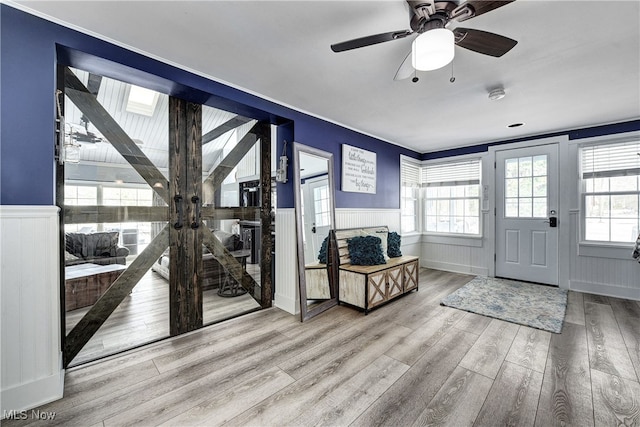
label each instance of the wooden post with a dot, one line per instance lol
(185, 165)
(264, 134)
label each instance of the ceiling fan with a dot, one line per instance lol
(429, 19)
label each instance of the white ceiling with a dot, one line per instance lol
(577, 63)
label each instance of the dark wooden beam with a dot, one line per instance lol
(227, 164)
(264, 134)
(111, 299)
(111, 130)
(224, 128)
(241, 213)
(107, 214)
(93, 83)
(185, 166)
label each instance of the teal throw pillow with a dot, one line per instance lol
(393, 245)
(322, 256)
(365, 250)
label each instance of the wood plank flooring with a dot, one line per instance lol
(411, 362)
(143, 316)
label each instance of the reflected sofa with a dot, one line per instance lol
(212, 274)
(96, 248)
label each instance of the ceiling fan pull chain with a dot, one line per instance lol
(452, 79)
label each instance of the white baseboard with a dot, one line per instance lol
(455, 268)
(605, 290)
(33, 394)
(286, 303)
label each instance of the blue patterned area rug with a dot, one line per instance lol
(538, 306)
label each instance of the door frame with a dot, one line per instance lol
(564, 192)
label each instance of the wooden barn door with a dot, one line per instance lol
(178, 213)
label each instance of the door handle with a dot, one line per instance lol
(552, 221)
(313, 228)
(196, 217)
(178, 200)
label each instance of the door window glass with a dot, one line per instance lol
(526, 187)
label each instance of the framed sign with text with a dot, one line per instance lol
(358, 170)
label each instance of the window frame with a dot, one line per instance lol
(590, 247)
(469, 237)
(416, 199)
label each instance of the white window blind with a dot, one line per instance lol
(601, 161)
(409, 174)
(451, 197)
(611, 191)
(455, 173)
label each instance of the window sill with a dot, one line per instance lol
(606, 250)
(453, 239)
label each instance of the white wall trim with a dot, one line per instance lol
(622, 252)
(450, 239)
(35, 393)
(287, 294)
(455, 268)
(605, 289)
(31, 353)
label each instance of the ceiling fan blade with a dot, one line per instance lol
(476, 7)
(483, 42)
(405, 70)
(369, 40)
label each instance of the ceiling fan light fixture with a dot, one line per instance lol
(433, 49)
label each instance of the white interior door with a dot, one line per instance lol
(526, 214)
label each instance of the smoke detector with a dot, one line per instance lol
(496, 94)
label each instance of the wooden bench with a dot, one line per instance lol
(368, 286)
(85, 283)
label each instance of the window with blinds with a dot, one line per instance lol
(611, 191)
(409, 193)
(452, 197)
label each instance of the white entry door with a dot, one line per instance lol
(317, 215)
(527, 214)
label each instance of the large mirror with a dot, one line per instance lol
(315, 218)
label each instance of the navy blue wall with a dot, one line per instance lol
(31, 49)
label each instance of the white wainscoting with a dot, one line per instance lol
(287, 294)
(453, 257)
(458, 254)
(32, 371)
(602, 275)
(353, 218)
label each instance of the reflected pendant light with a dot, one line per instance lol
(433, 49)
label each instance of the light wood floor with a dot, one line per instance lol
(143, 316)
(411, 362)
